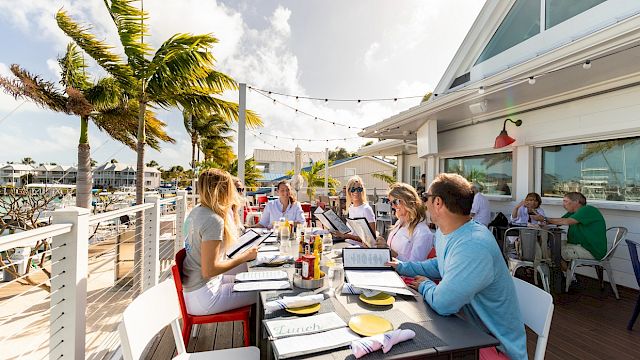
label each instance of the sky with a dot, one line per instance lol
(319, 48)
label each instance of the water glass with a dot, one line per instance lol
(327, 244)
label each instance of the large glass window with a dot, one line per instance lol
(414, 176)
(493, 172)
(603, 170)
(521, 23)
(558, 11)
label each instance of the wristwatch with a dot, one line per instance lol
(546, 219)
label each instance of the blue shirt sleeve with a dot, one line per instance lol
(265, 219)
(428, 268)
(299, 214)
(467, 271)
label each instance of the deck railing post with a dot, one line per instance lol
(151, 260)
(69, 267)
(181, 214)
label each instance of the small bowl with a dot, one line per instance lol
(298, 281)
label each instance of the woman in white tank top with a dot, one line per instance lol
(357, 206)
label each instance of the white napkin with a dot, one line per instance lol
(362, 347)
(289, 302)
(349, 289)
(266, 258)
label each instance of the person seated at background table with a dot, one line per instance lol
(410, 238)
(587, 236)
(480, 211)
(529, 206)
(472, 272)
(357, 207)
(285, 206)
(207, 273)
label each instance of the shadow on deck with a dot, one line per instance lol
(588, 323)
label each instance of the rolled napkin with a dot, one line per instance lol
(347, 288)
(289, 302)
(384, 341)
(266, 259)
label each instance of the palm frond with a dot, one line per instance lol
(220, 82)
(226, 109)
(27, 86)
(74, 69)
(183, 62)
(106, 94)
(98, 50)
(131, 25)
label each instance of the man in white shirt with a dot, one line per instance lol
(480, 210)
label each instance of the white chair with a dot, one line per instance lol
(152, 311)
(536, 308)
(383, 216)
(619, 235)
(532, 252)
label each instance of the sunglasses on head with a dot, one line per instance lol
(356, 189)
(240, 189)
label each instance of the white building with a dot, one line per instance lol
(281, 161)
(116, 175)
(55, 174)
(571, 72)
(10, 174)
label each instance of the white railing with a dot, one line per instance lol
(83, 308)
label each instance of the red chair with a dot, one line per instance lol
(188, 320)
(306, 209)
(262, 201)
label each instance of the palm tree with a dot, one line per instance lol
(314, 177)
(209, 132)
(28, 161)
(389, 179)
(152, 163)
(251, 172)
(102, 103)
(180, 72)
(426, 97)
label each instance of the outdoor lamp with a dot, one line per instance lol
(504, 139)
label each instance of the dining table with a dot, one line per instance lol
(437, 336)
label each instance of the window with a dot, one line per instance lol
(602, 170)
(493, 172)
(558, 11)
(521, 23)
(349, 172)
(414, 176)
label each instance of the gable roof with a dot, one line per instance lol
(269, 155)
(345, 161)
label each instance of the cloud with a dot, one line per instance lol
(55, 68)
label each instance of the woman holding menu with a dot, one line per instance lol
(208, 287)
(410, 239)
(358, 206)
(285, 206)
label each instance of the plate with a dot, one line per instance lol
(369, 325)
(275, 263)
(380, 299)
(304, 310)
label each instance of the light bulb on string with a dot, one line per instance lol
(532, 80)
(481, 90)
(587, 65)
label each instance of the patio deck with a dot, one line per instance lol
(587, 324)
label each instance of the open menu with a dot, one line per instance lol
(332, 221)
(366, 269)
(305, 344)
(247, 240)
(362, 228)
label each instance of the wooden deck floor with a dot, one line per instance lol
(587, 324)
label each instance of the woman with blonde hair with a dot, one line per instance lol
(285, 206)
(357, 206)
(211, 230)
(410, 239)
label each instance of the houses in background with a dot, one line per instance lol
(274, 164)
(108, 175)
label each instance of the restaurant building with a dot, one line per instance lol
(570, 71)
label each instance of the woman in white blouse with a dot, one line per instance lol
(410, 239)
(357, 206)
(285, 206)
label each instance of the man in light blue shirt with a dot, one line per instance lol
(474, 279)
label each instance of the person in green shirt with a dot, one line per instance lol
(587, 237)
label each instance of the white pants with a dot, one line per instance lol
(218, 296)
(575, 251)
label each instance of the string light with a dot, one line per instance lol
(481, 90)
(532, 80)
(356, 100)
(298, 111)
(587, 65)
(306, 139)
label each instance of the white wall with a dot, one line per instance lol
(602, 117)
